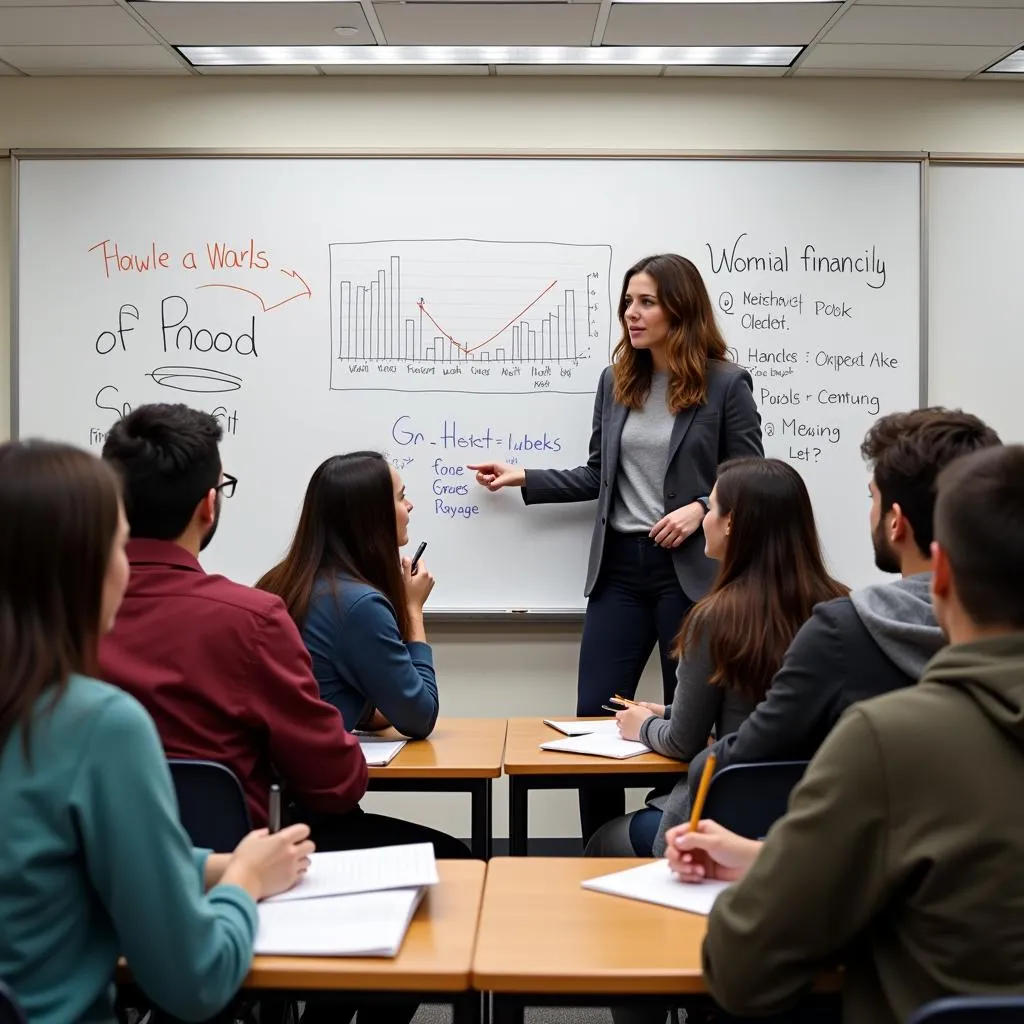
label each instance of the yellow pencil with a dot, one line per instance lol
(622, 700)
(702, 792)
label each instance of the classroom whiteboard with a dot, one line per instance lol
(449, 310)
(976, 303)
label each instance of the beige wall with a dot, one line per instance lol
(492, 670)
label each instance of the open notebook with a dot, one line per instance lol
(655, 883)
(353, 871)
(349, 903)
(599, 744)
(603, 727)
(365, 924)
(379, 752)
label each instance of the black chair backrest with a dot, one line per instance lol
(971, 1010)
(211, 804)
(10, 1010)
(749, 798)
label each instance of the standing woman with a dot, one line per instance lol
(669, 409)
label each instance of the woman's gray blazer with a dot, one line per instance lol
(726, 426)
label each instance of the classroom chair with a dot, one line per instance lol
(971, 1010)
(211, 804)
(749, 798)
(10, 1009)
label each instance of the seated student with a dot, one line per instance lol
(93, 862)
(760, 528)
(359, 608)
(900, 855)
(220, 666)
(880, 638)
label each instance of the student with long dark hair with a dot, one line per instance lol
(358, 607)
(668, 411)
(94, 863)
(760, 529)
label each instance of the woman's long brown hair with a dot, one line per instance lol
(347, 525)
(770, 578)
(693, 339)
(59, 507)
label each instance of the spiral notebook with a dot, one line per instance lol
(602, 726)
(598, 744)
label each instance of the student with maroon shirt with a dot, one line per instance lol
(219, 666)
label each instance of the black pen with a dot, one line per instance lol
(416, 557)
(274, 823)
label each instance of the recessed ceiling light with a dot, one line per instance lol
(346, 30)
(376, 56)
(1012, 65)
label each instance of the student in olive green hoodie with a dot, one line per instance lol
(901, 853)
(93, 860)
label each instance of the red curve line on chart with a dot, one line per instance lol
(462, 348)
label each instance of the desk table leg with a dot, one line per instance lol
(482, 826)
(518, 816)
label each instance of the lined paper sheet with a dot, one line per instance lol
(366, 924)
(598, 744)
(655, 883)
(353, 871)
(603, 728)
(379, 752)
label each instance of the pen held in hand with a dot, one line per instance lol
(274, 815)
(417, 557)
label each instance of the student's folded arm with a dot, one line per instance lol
(580, 484)
(398, 678)
(695, 707)
(788, 723)
(318, 758)
(820, 878)
(188, 951)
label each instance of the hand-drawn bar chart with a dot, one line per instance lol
(469, 315)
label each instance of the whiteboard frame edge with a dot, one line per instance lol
(15, 363)
(977, 159)
(924, 285)
(214, 153)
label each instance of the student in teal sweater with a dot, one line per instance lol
(94, 863)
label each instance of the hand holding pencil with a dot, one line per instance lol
(702, 849)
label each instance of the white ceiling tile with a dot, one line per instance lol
(901, 57)
(877, 73)
(96, 59)
(406, 70)
(483, 24)
(57, 3)
(60, 26)
(256, 24)
(720, 71)
(930, 26)
(590, 70)
(659, 24)
(6, 69)
(974, 4)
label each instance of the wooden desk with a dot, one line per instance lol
(435, 958)
(543, 940)
(528, 767)
(461, 755)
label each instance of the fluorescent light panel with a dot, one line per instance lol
(375, 56)
(1012, 65)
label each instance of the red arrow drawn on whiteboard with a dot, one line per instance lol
(305, 293)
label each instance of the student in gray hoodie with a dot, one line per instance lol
(900, 854)
(878, 639)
